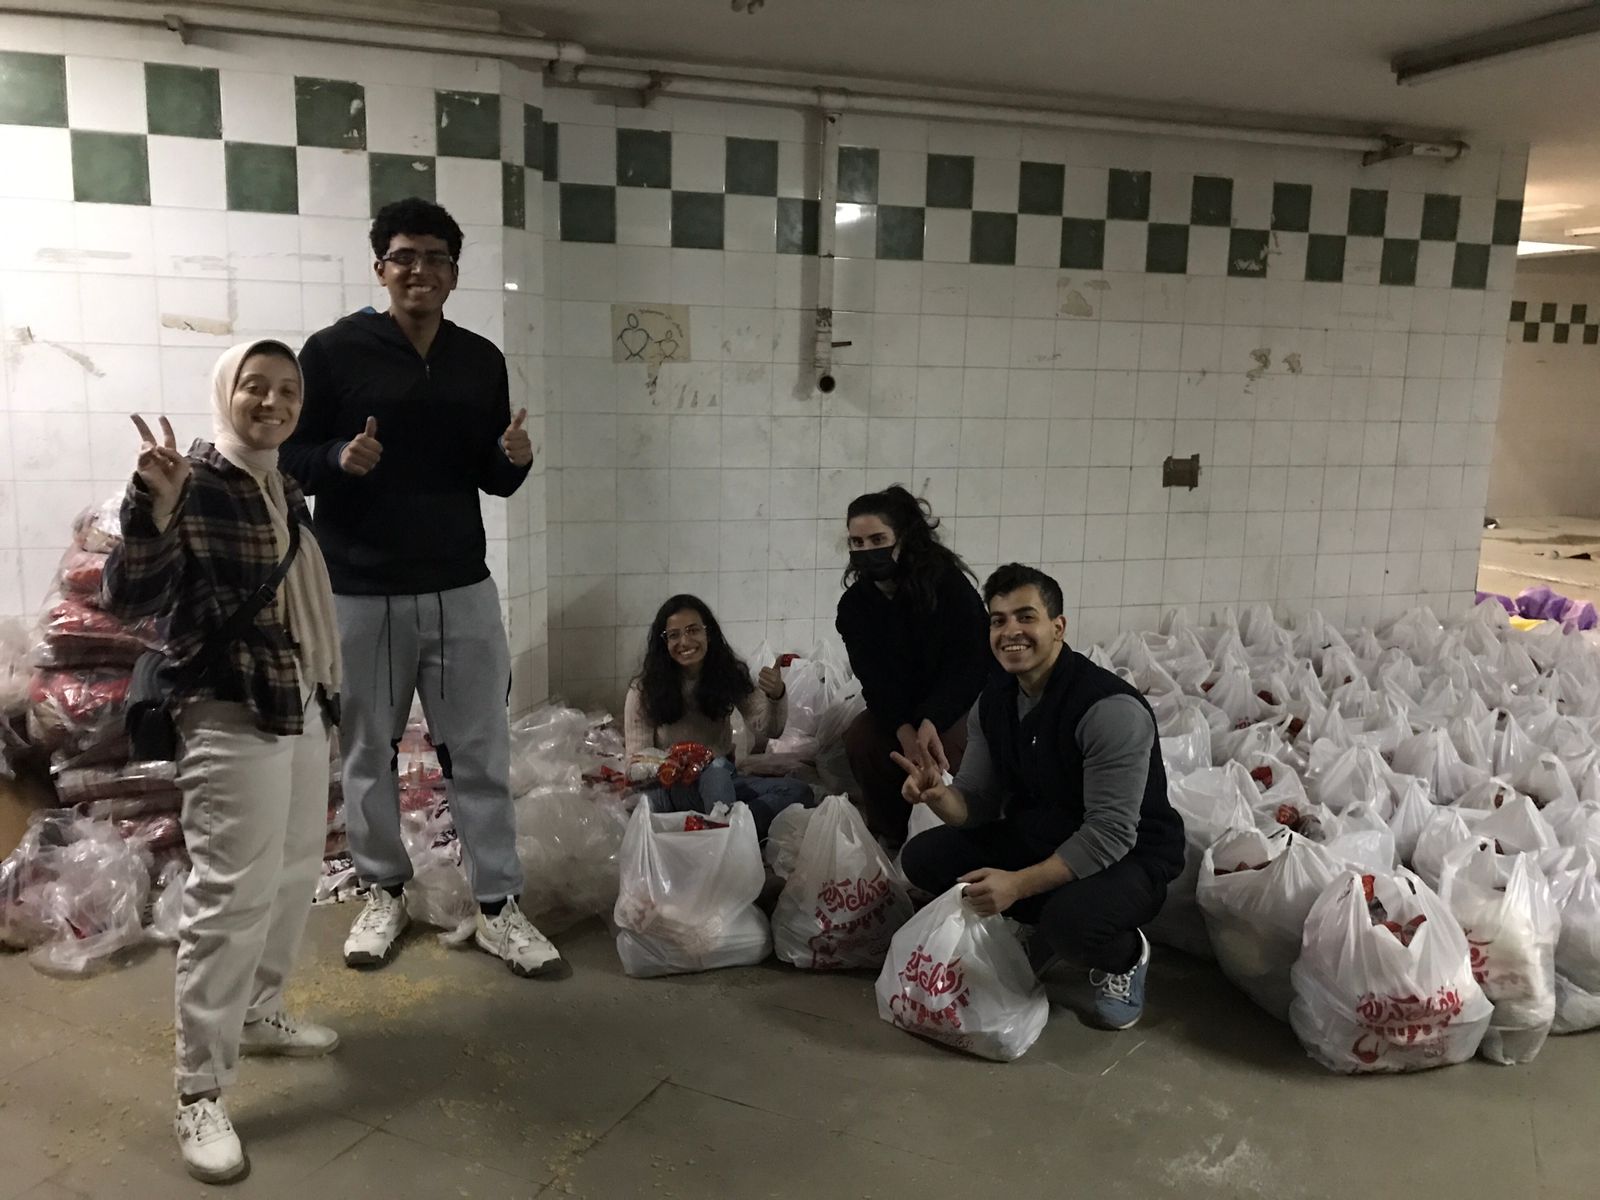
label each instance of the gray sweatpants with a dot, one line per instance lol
(450, 649)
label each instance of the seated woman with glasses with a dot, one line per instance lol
(686, 691)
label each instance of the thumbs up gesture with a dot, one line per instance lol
(362, 452)
(770, 680)
(516, 442)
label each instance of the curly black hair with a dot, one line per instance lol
(724, 677)
(417, 217)
(923, 557)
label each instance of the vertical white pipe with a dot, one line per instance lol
(822, 355)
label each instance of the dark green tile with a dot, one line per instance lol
(1441, 217)
(513, 196)
(797, 225)
(697, 221)
(468, 124)
(1399, 265)
(533, 136)
(1591, 335)
(111, 168)
(33, 89)
(261, 179)
(1128, 195)
(950, 181)
(330, 113)
(1560, 334)
(1041, 189)
(1167, 249)
(1247, 252)
(644, 158)
(1211, 201)
(994, 238)
(1083, 243)
(1530, 332)
(752, 167)
(1547, 311)
(183, 101)
(1519, 310)
(552, 151)
(1291, 207)
(394, 177)
(1580, 313)
(588, 212)
(900, 232)
(1507, 222)
(858, 175)
(1368, 212)
(1471, 268)
(1325, 258)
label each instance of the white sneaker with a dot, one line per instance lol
(372, 936)
(281, 1034)
(511, 937)
(211, 1149)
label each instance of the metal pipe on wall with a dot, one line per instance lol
(827, 227)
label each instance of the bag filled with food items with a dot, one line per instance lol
(1383, 982)
(1503, 905)
(76, 709)
(438, 892)
(1255, 892)
(1211, 801)
(843, 900)
(73, 633)
(688, 893)
(1575, 887)
(964, 980)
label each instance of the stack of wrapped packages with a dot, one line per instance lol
(1393, 835)
(88, 876)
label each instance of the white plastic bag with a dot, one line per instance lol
(1410, 817)
(1432, 757)
(568, 840)
(1367, 999)
(167, 908)
(1444, 830)
(1211, 802)
(843, 901)
(785, 836)
(687, 898)
(964, 980)
(1187, 747)
(1577, 896)
(1255, 892)
(1504, 907)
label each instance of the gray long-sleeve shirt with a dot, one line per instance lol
(1114, 737)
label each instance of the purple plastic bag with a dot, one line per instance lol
(1540, 604)
(1579, 616)
(1503, 601)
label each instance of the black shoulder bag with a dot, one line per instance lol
(152, 728)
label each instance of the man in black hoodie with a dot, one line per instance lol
(1059, 812)
(407, 417)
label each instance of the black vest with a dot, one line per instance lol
(1040, 767)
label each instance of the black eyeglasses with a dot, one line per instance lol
(436, 260)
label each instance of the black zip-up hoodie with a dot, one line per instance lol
(412, 525)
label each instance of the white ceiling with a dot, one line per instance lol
(1298, 60)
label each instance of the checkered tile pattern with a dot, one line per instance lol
(1554, 324)
(961, 209)
(170, 135)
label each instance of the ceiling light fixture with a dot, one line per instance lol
(1476, 49)
(1531, 249)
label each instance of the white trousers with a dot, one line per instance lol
(255, 809)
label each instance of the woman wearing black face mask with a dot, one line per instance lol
(917, 635)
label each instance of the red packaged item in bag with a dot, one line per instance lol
(159, 831)
(80, 574)
(695, 823)
(99, 529)
(76, 635)
(104, 783)
(683, 764)
(77, 707)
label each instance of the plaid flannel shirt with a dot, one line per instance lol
(215, 552)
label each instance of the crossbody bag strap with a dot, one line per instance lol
(243, 618)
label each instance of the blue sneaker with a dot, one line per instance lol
(1119, 999)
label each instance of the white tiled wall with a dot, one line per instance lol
(1350, 474)
(108, 309)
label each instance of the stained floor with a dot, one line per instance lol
(456, 1079)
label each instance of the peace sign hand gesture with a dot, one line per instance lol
(163, 469)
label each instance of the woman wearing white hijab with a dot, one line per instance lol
(202, 533)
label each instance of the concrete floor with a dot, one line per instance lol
(1517, 556)
(456, 1079)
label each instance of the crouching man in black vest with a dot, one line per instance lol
(1059, 814)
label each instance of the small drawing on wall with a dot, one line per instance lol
(649, 333)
